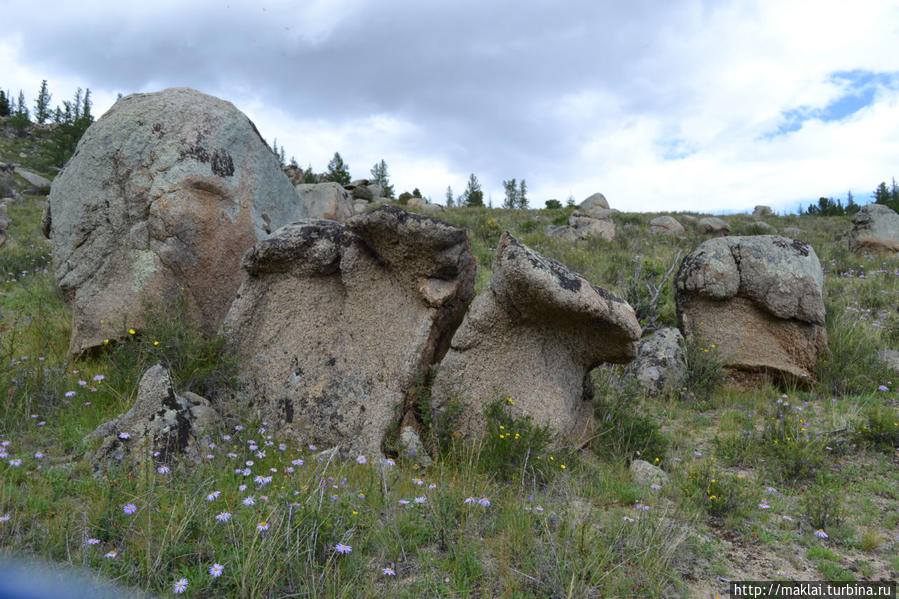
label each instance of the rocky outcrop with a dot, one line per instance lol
(666, 225)
(595, 206)
(875, 228)
(533, 335)
(659, 365)
(712, 225)
(337, 323)
(325, 200)
(160, 427)
(762, 211)
(759, 299)
(163, 195)
(581, 227)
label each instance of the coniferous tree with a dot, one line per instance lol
(19, 117)
(522, 196)
(4, 104)
(338, 170)
(882, 194)
(473, 195)
(72, 121)
(42, 104)
(380, 176)
(308, 175)
(510, 202)
(449, 197)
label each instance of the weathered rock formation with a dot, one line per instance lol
(762, 211)
(161, 426)
(533, 335)
(337, 323)
(163, 195)
(666, 225)
(712, 225)
(325, 200)
(659, 365)
(581, 227)
(875, 228)
(759, 299)
(595, 205)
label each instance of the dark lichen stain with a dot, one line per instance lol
(222, 165)
(286, 408)
(195, 151)
(158, 130)
(799, 247)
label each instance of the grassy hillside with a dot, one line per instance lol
(754, 473)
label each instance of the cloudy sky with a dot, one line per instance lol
(660, 105)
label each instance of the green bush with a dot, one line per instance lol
(704, 367)
(851, 365)
(717, 493)
(514, 446)
(880, 430)
(621, 430)
(822, 504)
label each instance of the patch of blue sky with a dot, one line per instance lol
(860, 89)
(676, 148)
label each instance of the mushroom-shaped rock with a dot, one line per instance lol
(161, 424)
(759, 299)
(337, 323)
(875, 228)
(533, 335)
(596, 205)
(163, 195)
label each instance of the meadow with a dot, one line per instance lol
(765, 482)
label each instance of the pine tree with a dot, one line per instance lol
(473, 195)
(19, 117)
(308, 175)
(4, 104)
(21, 108)
(523, 196)
(510, 202)
(449, 197)
(338, 170)
(882, 194)
(380, 176)
(42, 104)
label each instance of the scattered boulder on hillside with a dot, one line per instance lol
(759, 299)
(875, 228)
(792, 232)
(666, 225)
(712, 225)
(762, 228)
(325, 200)
(646, 474)
(581, 226)
(39, 185)
(161, 425)
(336, 323)
(423, 205)
(163, 195)
(595, 206)
(761, 211)
(363, 189)
(533, 335)
(659, 365)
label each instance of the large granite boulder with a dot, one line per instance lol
(659, 365)
(337, 323)
(596, 206)
(759, 299)
(533, 335)
(161, 425)
(762, 211)
(666, 225)
(875, 228)
(326, 200)
(712, 225)
(163, 195)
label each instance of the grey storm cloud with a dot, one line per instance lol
(479, 79)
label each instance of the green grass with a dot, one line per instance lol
(820, 457)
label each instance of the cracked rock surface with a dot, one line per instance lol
(160, 426)
(759, 299)
(338, 323)
(163, 195)
(533, 335)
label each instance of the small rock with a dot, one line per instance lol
(645, 474)
(414, 448)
